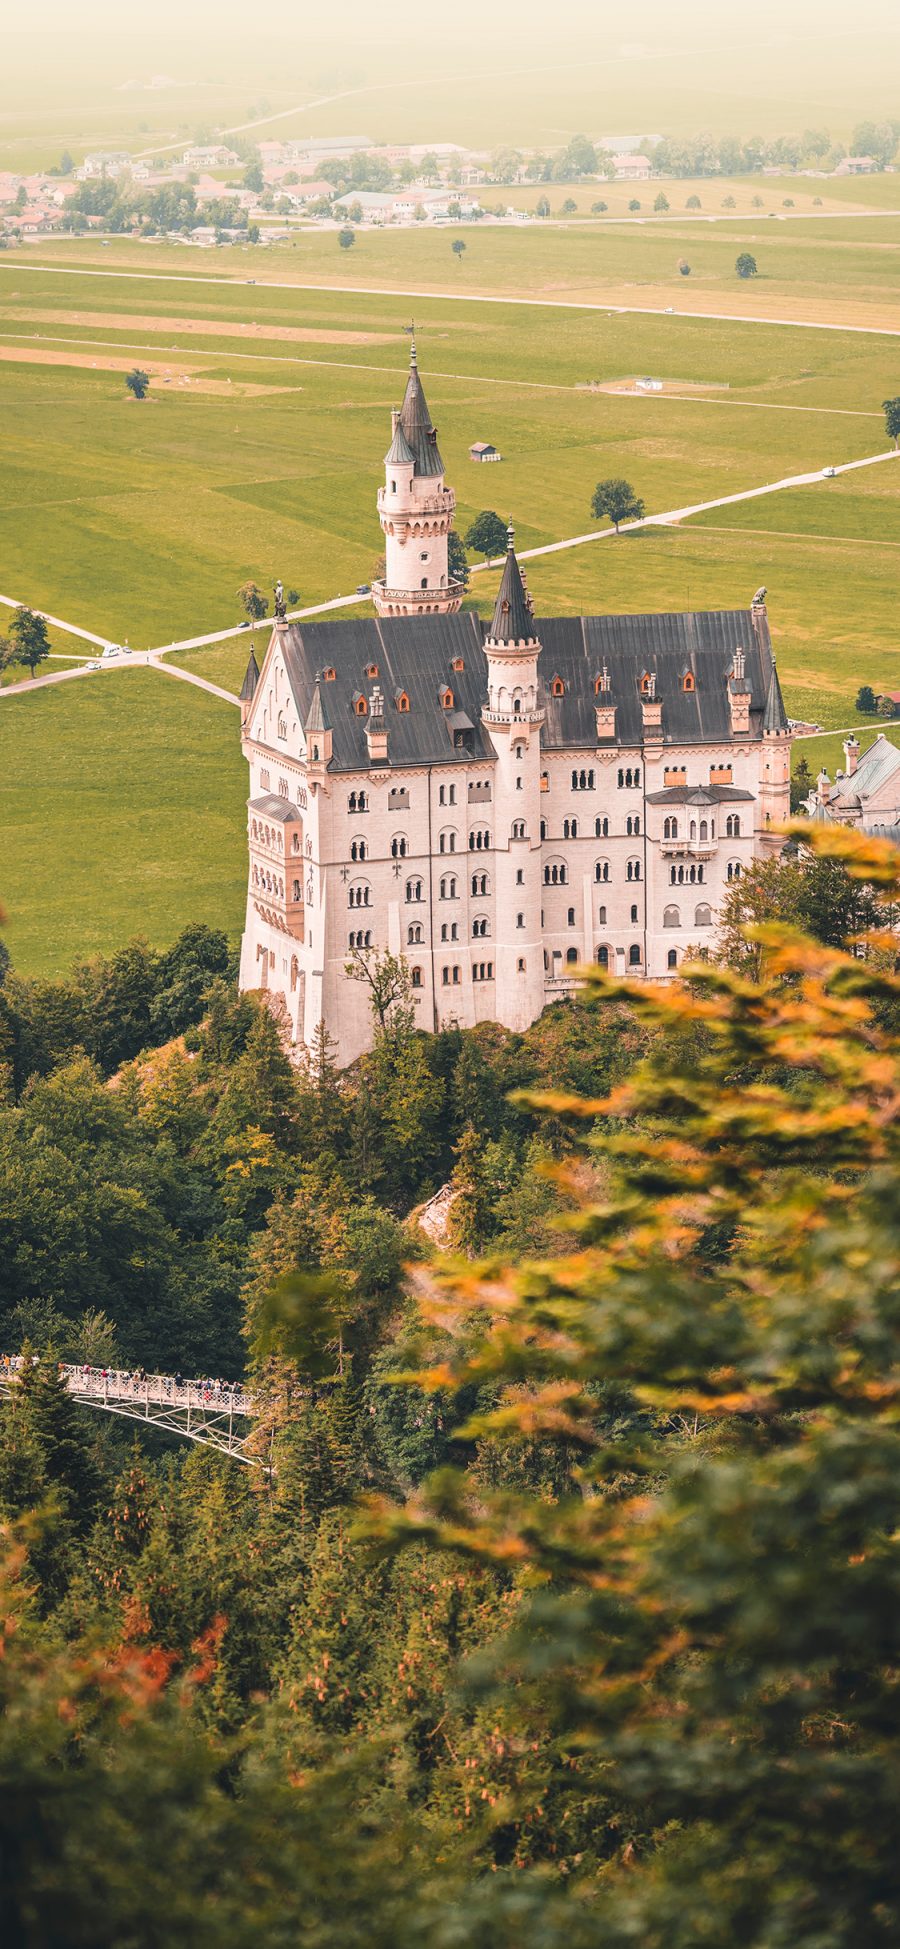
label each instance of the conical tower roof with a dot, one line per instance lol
(399, 453)
(512, 620)
(774, 716)
(315, 720)
(416, 423)
(251, 679)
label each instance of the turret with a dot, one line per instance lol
(318, 740)
(248, 688)
(775, 768)
(512, 716)
(415, 508)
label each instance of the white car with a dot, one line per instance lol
(112, 649)
(829, 473)
(93, 665)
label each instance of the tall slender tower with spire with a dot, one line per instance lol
(512, 717)
(415, 508)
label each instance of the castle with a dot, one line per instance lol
(495, 803)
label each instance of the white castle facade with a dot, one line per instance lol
(496, 804)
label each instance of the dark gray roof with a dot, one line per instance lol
(399, 453)
(774, 715)
(275, 808)
(315, 721)
(512, 621)
(697, 795)
(415, 654)
(251, 679)
(415, 421)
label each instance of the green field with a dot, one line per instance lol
(122, 806)
(258, 453)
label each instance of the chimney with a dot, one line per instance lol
(851, 754)
(739, 696)
(376, 729)
(823, 783)
(604, 709)
(651, 712)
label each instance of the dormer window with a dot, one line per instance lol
(359, 703)
(557, 687)
(371, 669)
(599, 686)
(447, 699)
(647, 684)
(329, 675)
(401, 700)
(458, 663)
(687, 681)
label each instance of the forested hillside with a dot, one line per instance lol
(567, 1610)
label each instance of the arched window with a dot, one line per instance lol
(557, 687)
(447, 699)
(328, 674)
(601, 916)
(633, 870)
(687, 681)
(479, 840)
(634, 956)
(582, 781)
(556, 873)
(296, 890)
(702, 916)
(704, 830)
(601, 869)
(480, 885)
(671, 917)
(413, 890)
(359, 704)
(398, 846)
(359, 894)
(733, 826)
(400, 697)
(672, 956)
(358, 849)
(358, 802)
(448, 887)
(416, 977)
(518, 829)
(447, 841)
(633, 825)
(601, 828)
(733, 870)
(571, 956)
(603, 957)
(480, 927)
(414, 935)
(570, 828)
(670, 828)
(371, 669)
(543, 828)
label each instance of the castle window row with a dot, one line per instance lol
(683, 876)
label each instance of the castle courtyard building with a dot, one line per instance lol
(495, 803)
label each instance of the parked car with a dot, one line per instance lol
(245, 625)
(94, 664)
(363, 588)
(829, 473)
(112, 649)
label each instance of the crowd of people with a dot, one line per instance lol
(137, 1384)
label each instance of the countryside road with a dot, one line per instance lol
(475, 298)
(156, 656)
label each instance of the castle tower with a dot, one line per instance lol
(415, 509)
(775, 765)
(512, 717)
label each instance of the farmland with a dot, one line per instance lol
(257, 453)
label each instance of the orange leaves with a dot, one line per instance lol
(863, 857)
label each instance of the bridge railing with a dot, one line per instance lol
(105, 1384)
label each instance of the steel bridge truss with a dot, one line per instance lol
(220, 1418)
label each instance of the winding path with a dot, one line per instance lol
(157, 657)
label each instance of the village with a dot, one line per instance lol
(213, 193)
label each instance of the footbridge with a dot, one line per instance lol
(215, 1413)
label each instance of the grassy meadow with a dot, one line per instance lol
(258, 452)
(122, 804)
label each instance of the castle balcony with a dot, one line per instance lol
(685, 848)
(512, 717)
(417, 602)
(442, 503)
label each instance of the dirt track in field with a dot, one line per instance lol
(126, 321)
(183, 377)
